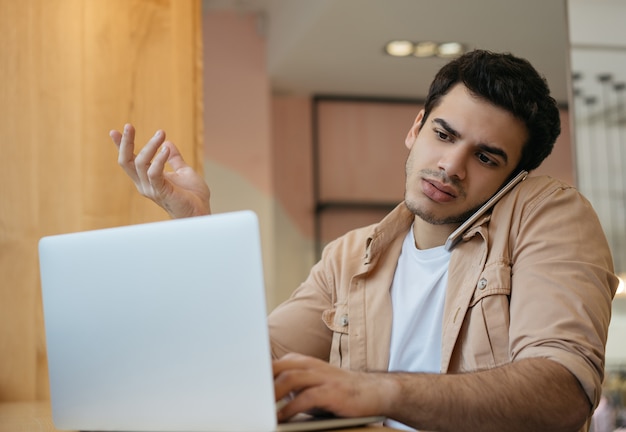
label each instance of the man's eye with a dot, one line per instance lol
(442, 135)
(485, 159)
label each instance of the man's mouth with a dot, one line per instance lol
(438, 191)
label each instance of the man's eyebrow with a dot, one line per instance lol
(495, 151)
(484, 147)
(444, 124)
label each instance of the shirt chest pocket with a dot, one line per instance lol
(338, 321)
(486, 329)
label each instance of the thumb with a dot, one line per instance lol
(175, 159)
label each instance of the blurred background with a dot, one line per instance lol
(293, 108)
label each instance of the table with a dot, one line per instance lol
(26, 417)
(37, 417)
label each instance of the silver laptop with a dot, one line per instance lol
(161, 327)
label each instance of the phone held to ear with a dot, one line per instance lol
(455, 237)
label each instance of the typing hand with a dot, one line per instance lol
(182, 192)
(306, 384)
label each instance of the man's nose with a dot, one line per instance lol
(454, 161)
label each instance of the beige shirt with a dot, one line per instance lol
(533, 279)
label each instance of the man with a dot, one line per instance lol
(505, 332)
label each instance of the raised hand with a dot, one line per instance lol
(182, 192)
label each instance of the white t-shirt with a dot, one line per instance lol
(417, 295)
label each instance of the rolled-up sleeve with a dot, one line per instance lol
(296, 325)
(563, 283)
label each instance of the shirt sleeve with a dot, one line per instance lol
(296, 325)
(563, 285)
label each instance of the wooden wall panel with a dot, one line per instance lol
(71, 70)
(361, 150)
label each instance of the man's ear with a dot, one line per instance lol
(414, 131)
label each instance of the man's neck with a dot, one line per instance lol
(428, 236)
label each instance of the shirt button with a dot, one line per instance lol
(482, 284)
(344, 320)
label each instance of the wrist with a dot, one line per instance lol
(390, 393)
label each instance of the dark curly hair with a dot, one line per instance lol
(508, 82)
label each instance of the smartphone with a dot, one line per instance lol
(455, 237)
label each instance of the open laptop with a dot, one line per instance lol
(162, 327)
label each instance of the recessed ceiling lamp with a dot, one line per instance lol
(425, 49)
(405, 48)
(399, 48)
(449, 49)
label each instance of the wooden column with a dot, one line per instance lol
(71, 70)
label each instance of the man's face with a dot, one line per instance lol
(461, 156)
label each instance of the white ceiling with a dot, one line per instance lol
(335, 47)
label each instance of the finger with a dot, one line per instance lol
(296, 380)
(126, 148)
(289, 374)
(306, 401)
(116, 136)
(145, 156)
(156, 171)
(127, 145)
(293, 361)
(175, 160)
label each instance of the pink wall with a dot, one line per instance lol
(237, 97)
(267, 141)
(292, 137)
(361, 149)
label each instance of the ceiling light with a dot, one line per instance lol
(425, 49)
(406, 48)
(399, 48)
(450, 49)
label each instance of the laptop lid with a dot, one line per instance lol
(159, 326)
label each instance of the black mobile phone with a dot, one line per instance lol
(455, 237)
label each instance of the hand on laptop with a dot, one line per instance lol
(306, 384)
(182, 192)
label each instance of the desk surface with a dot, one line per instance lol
(26, 417)
(37, 417)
